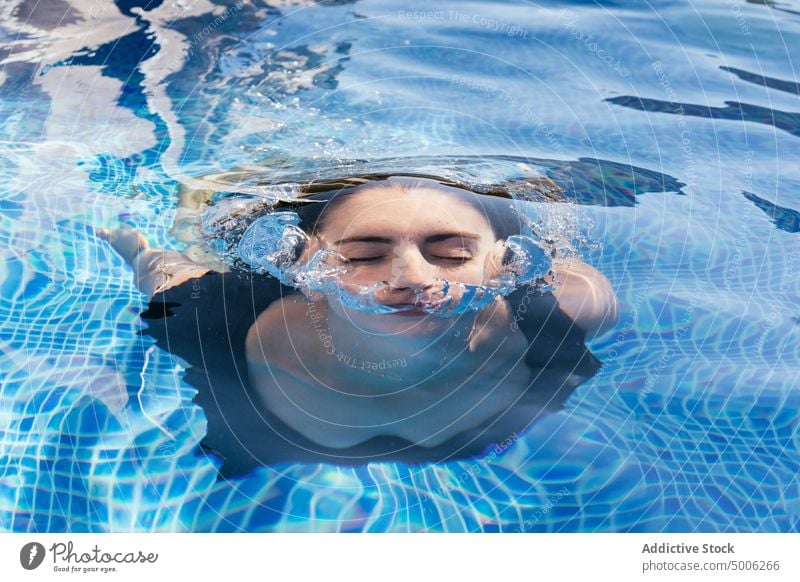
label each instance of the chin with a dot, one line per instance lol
(406, 324)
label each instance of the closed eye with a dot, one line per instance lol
(364, 259)
(459, 259)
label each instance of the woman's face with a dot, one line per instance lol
(409, 238)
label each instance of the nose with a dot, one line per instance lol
(410, 269)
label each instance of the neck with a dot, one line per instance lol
(399, 359)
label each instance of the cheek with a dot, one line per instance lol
(366, 274)
(472, 273)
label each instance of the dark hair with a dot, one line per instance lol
(314, 199)
(322, 198)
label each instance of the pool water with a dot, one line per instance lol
(673, 126)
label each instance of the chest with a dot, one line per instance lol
(336, 413)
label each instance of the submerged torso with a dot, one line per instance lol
(207, 320)
(339, 405)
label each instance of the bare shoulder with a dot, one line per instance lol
(586, 296)
(280, 332)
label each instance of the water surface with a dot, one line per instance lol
(673, 126)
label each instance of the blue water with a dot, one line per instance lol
(674, 126)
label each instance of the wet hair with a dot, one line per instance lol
(315, 200)
(319, 199)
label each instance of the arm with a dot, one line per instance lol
(154, 270)
(585, 295)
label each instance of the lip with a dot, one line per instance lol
(417, 312)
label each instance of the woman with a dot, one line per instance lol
(307, 377)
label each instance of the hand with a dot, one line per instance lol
(154, 270)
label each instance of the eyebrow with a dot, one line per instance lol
(431, 239)
(447, 235)
(366, 239)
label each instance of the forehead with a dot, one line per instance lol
(394, 208)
